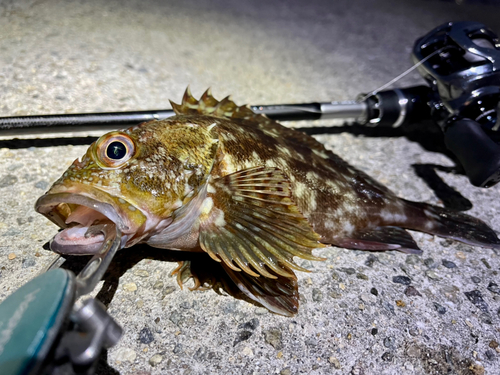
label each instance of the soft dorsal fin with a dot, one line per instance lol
(208, 105)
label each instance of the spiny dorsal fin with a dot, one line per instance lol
(208, 105)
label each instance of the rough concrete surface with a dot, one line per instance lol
(360, 313)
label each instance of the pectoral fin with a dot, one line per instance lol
(254, 226)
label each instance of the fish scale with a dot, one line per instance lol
(246, 190)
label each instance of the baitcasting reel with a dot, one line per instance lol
(461, 63)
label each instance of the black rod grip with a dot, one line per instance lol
(476, 151)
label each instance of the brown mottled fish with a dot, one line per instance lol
(250, 192)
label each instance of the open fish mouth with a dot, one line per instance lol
(82, 219)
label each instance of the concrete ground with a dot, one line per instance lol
(358, 315)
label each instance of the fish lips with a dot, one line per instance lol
(79, 238)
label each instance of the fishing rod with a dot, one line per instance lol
(460, 62)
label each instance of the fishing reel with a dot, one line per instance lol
(461, 63)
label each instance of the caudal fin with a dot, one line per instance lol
(450, 224)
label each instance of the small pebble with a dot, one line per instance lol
(448, 264)
(349, 271)
(390, 342)
(493, 344)
(43, 185)
(273, 337)
(370, 260)
(175, 317)
(252, 324)
(200, 354)
(411, 291)
(335, 362)
(429, 262)
(361, 276)
(493, 288)
(130, 287)
(485, 262)
(28, 262)
(155, 360)
(386, 305)
(432, 275)
(405, 280)
(335, 276)
(177, 349)
(285, 371)
(400, 303)
(374, 331)
(476, 298)
(387, 356)
(413, 331)
(412, 259)
(490, 355)
(7, 180)
(385, 258)
(11, 256)
(141, 273)
(125, 354)
(446, 243)
(451, 292)
(242, 336)
(261, 311)
(247, 351)
(475, 279)
(374, 291)
(158, 285)
(335, 295)
(317, 295)
(440, 309)
(168, 290)
(146, 336)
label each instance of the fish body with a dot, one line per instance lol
(248, 191)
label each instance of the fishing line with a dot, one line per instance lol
(406, 72)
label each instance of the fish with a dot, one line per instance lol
(251, 193)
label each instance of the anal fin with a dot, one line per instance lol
(380, 239)
(280, 295)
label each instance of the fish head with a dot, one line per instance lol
(135, 179)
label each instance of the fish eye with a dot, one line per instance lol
(114, 150)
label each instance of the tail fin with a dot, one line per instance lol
(450, 224)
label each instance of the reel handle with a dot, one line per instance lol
(476, 151)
